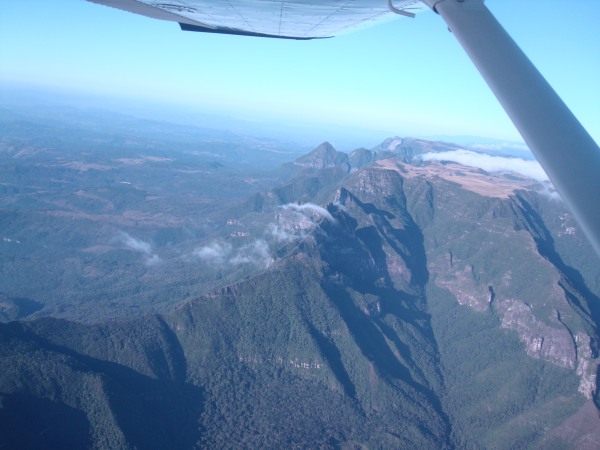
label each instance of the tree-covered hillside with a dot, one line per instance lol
(371, 300)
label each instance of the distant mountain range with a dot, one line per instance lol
(378, 299)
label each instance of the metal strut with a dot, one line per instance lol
(395, 10)
(562, 146)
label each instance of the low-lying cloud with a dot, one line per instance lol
(140, 246)
(135, 244)
(531, 169)
(256, 253)
(224, 254)
(215, 253)
(153, 260)
(294, 222)
(308, 208)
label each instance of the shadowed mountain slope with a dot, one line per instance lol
(397, 305)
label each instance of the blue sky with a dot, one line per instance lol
(406, 77)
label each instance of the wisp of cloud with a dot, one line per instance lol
(256, 253)
(223, 254)
(139, 246)
(214, 253)
(531, 169)
(135, 244)
(310, 208)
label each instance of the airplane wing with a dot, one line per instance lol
(568, 154)
(284, 19)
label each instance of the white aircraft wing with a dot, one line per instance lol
(285, 19)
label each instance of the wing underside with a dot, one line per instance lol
(286, 19)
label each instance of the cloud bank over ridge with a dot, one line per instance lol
(528, 168)
(307, 208)
(293, 222)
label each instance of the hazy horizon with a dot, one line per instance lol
(408, 76)
(301, 132)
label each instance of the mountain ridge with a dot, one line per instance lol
(402, 305)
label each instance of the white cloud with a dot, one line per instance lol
(135, 244)
(281, 233)
(531, 169)
(255, 253)
(308, 208)
(223, 253)
(295, 221)
(140, 246)
(153, 260)
(214, 253)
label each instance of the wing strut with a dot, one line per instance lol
(562, 146)
(400, 12)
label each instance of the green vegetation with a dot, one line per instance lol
(172, 300)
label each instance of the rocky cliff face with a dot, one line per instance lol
(426, 305)
(497, 254)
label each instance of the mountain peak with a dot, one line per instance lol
(325, 147)
(324, 156)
